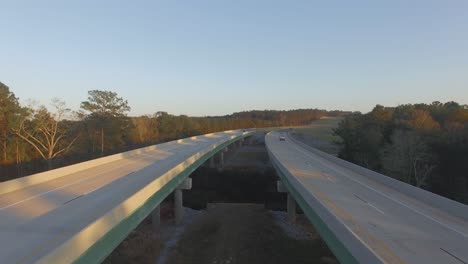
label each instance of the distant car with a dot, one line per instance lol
(282, 138)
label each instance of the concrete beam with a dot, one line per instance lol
(280, 187)
(186, 184)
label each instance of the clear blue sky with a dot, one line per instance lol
(217, 57)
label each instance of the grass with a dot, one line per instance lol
(319, 134)
(321, 129)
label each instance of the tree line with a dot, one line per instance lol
(425, 145)
(35, 138)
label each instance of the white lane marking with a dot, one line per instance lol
(378, 192)
(380, 211)
(371, 205)
(58, 188)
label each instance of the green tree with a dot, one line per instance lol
(361, 137)
(9, 108)
(108, 114)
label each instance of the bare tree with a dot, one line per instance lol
(46, 131)
(408, 158)
(422, 169)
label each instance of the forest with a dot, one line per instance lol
(425, 145)
(36, 138)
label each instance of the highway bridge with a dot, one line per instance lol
(366, 217)
(80, 213)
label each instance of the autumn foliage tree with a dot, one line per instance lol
(422, 144)
(29, 135)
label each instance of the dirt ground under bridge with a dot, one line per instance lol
(247, 233)
(225, 234)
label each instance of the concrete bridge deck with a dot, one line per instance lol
(80, 213)
(366, 217)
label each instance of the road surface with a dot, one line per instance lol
(391, 225)
(37, 219)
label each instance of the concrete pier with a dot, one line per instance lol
(179, 199)
(221, 159)
(178, 206)
(291, 207)
(212, 163)
(291, 203)
(156, 218)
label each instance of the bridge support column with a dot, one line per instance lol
(156, 218)
(178, 199)
(212, 163)
(291, 203)
(291, 207)
(178, 206)
(221, 159)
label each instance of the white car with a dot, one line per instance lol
(282, 138)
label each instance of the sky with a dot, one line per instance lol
(217, 57)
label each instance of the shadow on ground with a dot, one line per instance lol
(245, 233)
